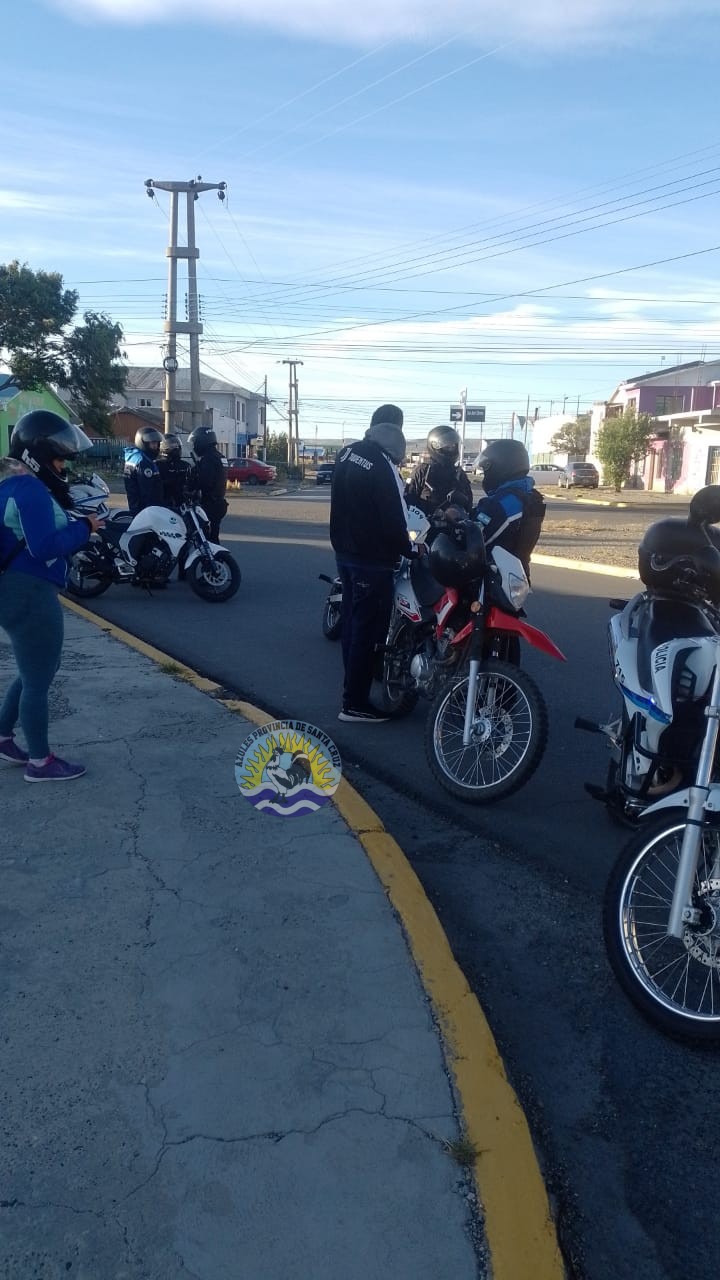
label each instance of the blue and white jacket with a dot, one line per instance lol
(27, 510)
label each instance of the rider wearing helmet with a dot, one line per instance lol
(36, 539)
(432, 483)
(209, 476)
(174, 472)
(368, 531)
(512, 512)
(143, 483)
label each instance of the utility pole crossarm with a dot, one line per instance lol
(192, 326)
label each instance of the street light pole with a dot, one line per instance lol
(463, 404)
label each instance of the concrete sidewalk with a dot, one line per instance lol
(217, 1059)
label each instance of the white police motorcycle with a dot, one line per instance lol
(662, 901)
(143, 551)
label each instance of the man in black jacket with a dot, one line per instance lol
(432, 483)
(209, 474)
(368, 531)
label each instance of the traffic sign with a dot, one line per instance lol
(473, 413)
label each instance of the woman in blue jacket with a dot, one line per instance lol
(36, 537)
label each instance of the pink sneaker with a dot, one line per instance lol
(10, 751)
(54, 770)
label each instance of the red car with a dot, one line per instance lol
(250, 471)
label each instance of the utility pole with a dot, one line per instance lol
(463, 420)
(265, 402)
(293, 415)
(192, 327)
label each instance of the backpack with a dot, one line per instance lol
(533, 505)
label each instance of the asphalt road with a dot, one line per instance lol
(618, 1112)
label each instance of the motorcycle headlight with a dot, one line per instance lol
(518, 590)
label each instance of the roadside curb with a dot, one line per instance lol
(517, 1220)
(586, 566)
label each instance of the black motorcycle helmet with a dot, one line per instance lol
(202, 440)
(502, 460)
(171, 448)
(457, 556)
(443, 444)
(676, 557)
(149, 440)
(39, 439)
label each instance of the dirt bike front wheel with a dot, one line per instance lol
(509, 734)
(674, 982)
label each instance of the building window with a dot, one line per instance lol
(144, 404)
(669, 404)
(713, 465)
(239, 410)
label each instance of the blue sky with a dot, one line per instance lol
(421, 197)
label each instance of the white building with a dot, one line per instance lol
(236, 415)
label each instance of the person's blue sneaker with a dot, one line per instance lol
(54, 770)
(10, 751)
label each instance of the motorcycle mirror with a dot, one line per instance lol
(705, 505)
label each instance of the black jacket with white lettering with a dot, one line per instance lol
(368, 520)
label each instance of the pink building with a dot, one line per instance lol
(684, 401)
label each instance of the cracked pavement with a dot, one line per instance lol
(217, 1059)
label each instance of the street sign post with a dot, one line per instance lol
(473, 413)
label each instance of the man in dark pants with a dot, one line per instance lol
(210, 477)
(368, 531)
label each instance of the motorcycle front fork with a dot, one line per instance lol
(682, 911)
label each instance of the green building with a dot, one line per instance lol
(14, 403)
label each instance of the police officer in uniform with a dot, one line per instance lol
(210, 477)
(174, 471)
(143, 482)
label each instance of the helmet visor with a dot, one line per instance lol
(68, 442)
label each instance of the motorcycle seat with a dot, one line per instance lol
(426, 588)
(662, 620)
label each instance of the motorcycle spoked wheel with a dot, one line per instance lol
(87, 576)
(509, 734)
(332, 618)
(395, 700)
(674, 983)
(217, 580)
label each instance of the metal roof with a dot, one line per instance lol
(141, 378)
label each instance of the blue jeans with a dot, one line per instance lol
(366, 607)
(32, 616)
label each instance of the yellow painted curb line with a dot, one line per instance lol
(518, 1223)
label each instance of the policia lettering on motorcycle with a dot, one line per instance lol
(368, 531)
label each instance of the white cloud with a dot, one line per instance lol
(543, 22)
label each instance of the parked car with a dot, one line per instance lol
(325, 473)
(545, 473)
(579, 475)
(250, 471)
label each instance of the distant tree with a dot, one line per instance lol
(34, 310)
(38, 346)
(277, 446)
(622, 441)
(573, 438)
(93, 371)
